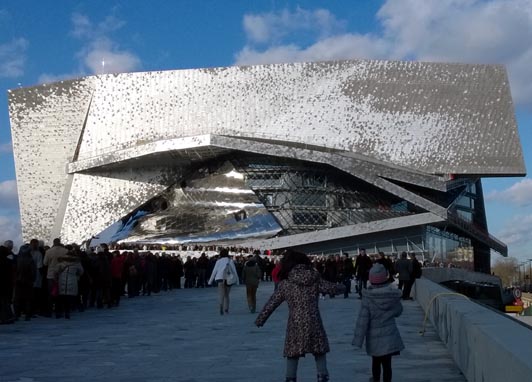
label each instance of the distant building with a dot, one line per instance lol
(323, 156)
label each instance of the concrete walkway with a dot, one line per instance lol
(179, 336)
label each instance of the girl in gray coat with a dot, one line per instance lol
(381, 304)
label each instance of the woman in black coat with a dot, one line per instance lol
(6, 283)
(26, 273)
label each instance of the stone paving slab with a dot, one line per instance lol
(179, 336)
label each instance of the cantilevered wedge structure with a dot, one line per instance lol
(323, 156)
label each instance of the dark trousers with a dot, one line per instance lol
(133, 286)
(51, 299)
(37, 301)
(385, 362)
(347, 284)
(406, 286)
(6, 314)
(23, 298)
(65, 304)
(362, 283)
(116, 291)
(189, 282)
(84, 292)
(201, 278)
(251, 293)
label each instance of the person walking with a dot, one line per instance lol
(348, 272)
(362, 266)
(275, 274)
(388, 265)
(300, 287)
(416, 270)
(381, 304)
(225, 275)
(404, 268)
(251, 275)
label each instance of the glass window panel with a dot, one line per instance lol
(309, 218)
(308, 199)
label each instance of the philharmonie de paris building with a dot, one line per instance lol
(325, 157)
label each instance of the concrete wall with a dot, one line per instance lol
(486, 346)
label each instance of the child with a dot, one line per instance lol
(300, 286)
(376, 323)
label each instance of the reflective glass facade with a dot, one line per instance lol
(251, 196)
(306, 197)
(447, 247)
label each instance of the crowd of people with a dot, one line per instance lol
(55, 281)
(46, 281)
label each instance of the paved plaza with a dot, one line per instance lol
(179, 336)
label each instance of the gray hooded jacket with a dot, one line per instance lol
(376, 321)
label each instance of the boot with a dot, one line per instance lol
(323, 378)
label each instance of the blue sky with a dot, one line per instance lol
(42, 41)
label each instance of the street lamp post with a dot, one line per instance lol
(522, 279)
(529, 276)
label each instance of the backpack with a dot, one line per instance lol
(228, 274)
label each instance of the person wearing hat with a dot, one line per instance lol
(381, 304)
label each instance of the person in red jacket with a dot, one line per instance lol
(275, 274)
(117, 268)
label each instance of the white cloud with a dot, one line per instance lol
(6, 148)
(100, 53)
(10, 230)
(473, 31)
(8, 195)
(104, 56)
(48, 77)
(272, 26)
(9, 220)
(332, 48)
(13, 58)
(519, 194)
(517, 231)
(84, 28)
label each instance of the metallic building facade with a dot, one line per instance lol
(314, 155)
